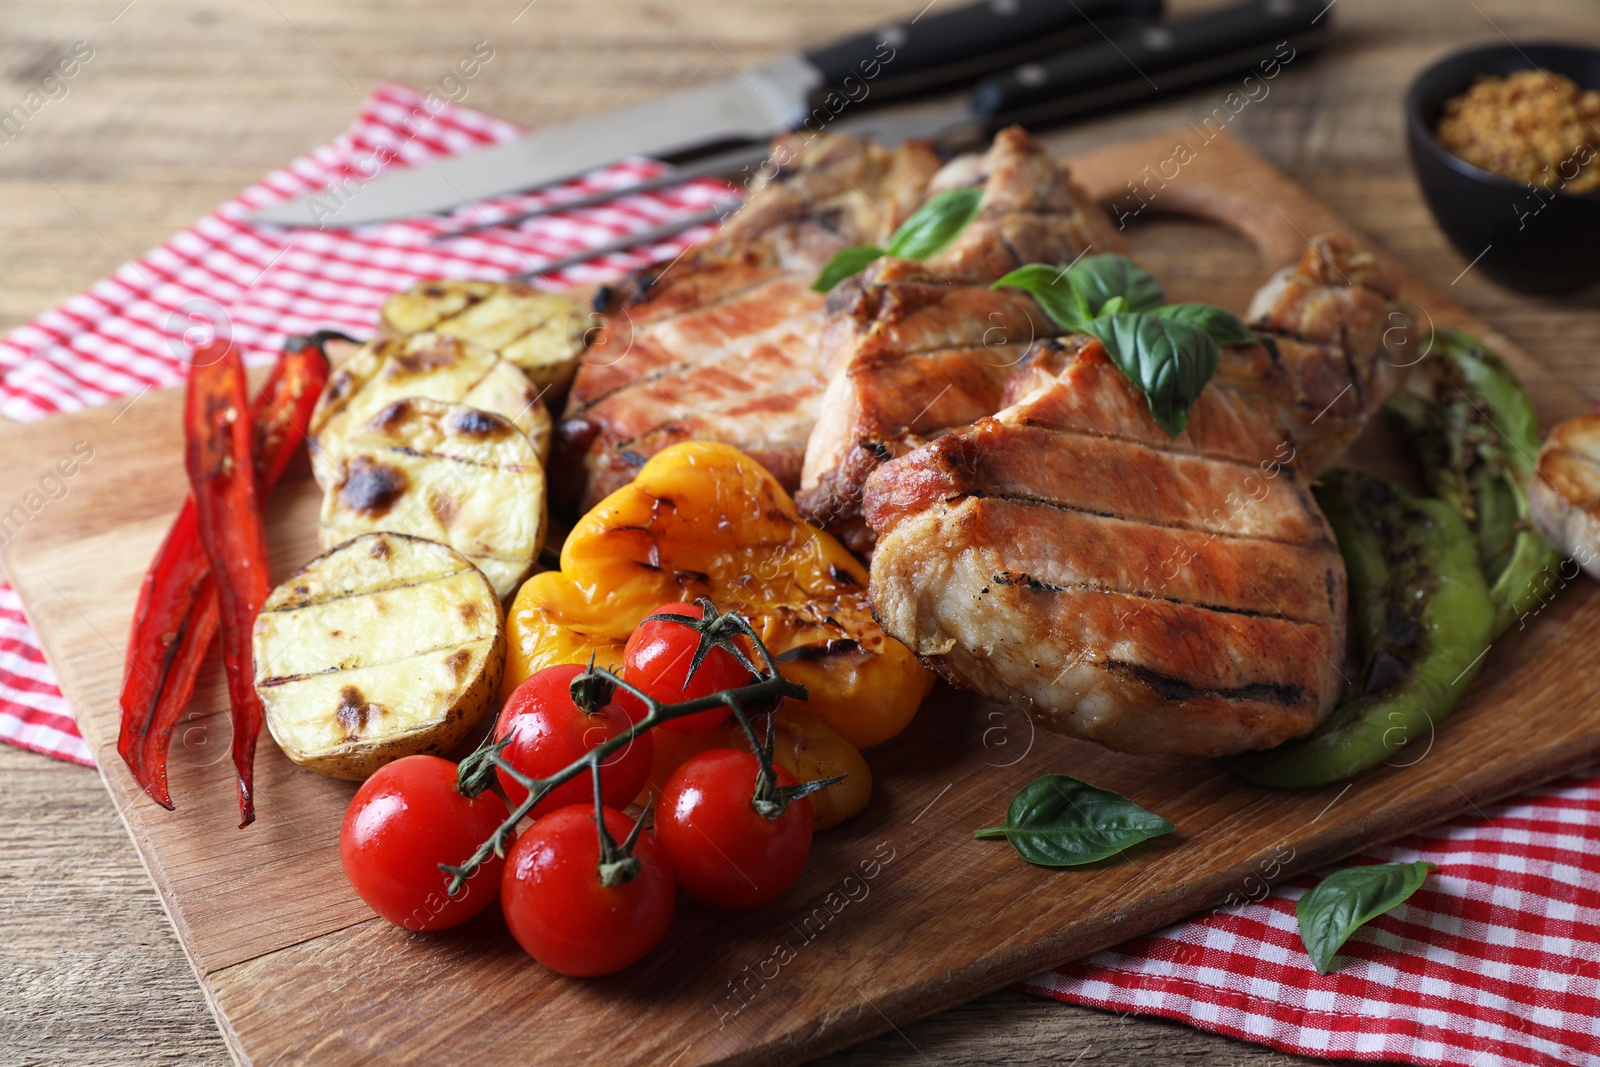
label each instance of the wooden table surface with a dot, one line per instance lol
(185, 101)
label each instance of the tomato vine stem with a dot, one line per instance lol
(617, 865)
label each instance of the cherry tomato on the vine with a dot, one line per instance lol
(407, 819)
(560, 912)
(724, 851)
(656, 659)
(550, 731)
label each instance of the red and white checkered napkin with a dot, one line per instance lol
(260, 284)
(1495, 960)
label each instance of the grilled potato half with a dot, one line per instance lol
(540, 332)
(451, 473)
(387, 646)
(426, 365)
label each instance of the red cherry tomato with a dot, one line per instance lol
(724, 852)
(550, 732)
(559, 911)
(656, 659)
(406, 820)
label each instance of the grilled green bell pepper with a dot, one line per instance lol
(1423, 618)
(1478, 439)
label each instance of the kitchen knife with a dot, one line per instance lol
(1123, 67)
(933, 50)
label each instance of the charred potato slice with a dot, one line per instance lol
(1564, 493)
(421, 308)
(447, 472)
(426, 365)
(388, 646)
(540, 332)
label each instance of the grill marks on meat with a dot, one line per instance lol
(914, 349)
(722, 344)
(1336, 343)
(1157, 595)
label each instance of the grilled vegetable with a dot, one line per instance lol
(1424, 618)
(702, 519)
(446, 472)
(1565, 494)
(1478, 437)
(540, 332)
(218, 452)
(387, 646)
(426, 366)
(177, 616)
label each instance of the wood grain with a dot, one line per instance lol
(188, 100)
(900, 913)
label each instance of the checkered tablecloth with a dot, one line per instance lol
(1495, 961)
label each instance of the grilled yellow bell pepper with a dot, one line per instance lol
(703, 519)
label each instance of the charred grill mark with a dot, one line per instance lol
(370, 487)
(354, 713)
(394, 413)
(833, 646)
(840, 575)
(1142, 442)
(1038, 585)
(682, 366)
(1176, 689)
(300, 605)
(1024, 498)
(471, 422)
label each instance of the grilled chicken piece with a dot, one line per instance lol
(1155, 594)
(1337, 341)
(724, 344)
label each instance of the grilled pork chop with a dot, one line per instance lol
(1156, 594)
(913, 349)
(724, 343)
(721, 343)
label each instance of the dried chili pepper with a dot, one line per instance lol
(177, 615)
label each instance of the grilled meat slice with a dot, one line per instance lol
(724, 344)
(721, 343)
(1337, 340)
(1155, 594)
(914, 349)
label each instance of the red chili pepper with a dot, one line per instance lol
(178, 614)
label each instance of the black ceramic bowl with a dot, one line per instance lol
(1536, 241)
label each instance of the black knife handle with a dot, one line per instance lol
(1138, 63)
(944, 48)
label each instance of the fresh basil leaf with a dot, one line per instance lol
(1057, 821)
(1169, 360)
(1224, 327)
(1346, 900)
(935, 224)
(845, 263)
(1099, 278)
(1049, 286)
(1117, 305)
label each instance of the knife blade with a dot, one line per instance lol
(1126, 66)
(792, 91)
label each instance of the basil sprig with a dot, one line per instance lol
(1057, 821)
(929, 231)
(1346, 900)
(1170, 351)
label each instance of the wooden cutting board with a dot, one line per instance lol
(900, 912)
